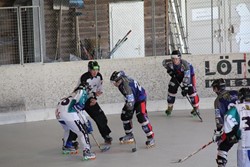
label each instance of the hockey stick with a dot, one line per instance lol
(185, 158)
(104, 148)
(119, 43)
(134, 149)
(189, 100)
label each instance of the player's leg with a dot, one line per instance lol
(172, 91)
(97, 114)
(194, 98)
(78, 127)
(223, 149)
(126, 117)
(142, 117)
(70, 145)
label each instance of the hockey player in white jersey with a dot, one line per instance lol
(94, 78)
(237, 127)
(70, 115)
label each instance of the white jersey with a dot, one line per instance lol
(239, 115)
(71, 118)
(244, 112)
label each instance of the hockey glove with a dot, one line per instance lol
(217, 135)
(171, 72)
(184, 91)
(89, 127)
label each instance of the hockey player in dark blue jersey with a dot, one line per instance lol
(221, 106)
(135, 101)
(181, 72)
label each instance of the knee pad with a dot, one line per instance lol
(127, 125)
(171, 99)
(126, 115)
(141, 118)
(194, 100)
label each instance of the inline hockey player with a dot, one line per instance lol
(75, 125)
(237, 127)
(135, 101)
(181, 71)
(221, 104)
(94, 78)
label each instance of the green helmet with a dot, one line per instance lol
(93, 65)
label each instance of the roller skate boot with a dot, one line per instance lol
(108, 139)
(195, 112)
(88, 155)
(127, 139)
(70, 148)
(150, 142)
(169, 110)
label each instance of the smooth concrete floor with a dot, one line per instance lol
(38, 144)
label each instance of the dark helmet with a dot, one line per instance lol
(93, 65)
(244, 94)
(220, 84)
(117, 75)
(176, 54)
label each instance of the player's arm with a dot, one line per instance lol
(99, 89)
(218, 110)
(187, 73)
(168, 64)
(129, 96)
(231, 125)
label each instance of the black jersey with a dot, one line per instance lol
(95, 83)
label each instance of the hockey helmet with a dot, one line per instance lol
(176, 54)
(220, 84)
(93, 65)
(116, 76)
(244, 94)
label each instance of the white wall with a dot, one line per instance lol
(31, 92)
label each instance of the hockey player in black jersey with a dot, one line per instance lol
(94, 78)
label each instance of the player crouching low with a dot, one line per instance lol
(70, 115)
(135, 101)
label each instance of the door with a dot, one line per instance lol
(127, 18)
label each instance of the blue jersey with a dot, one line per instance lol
(132, 91)
(221, 105)
(183, 71)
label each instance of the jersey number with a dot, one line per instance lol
(137, 85)
(247, 122)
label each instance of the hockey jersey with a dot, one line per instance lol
(132, 91)
(239, 115)
(95, 83)
(183, 71)
(221, 105)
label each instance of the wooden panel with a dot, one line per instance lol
(87, 25)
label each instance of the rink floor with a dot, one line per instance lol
(38, 144)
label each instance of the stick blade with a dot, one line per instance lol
(105, 148)
(177, 161)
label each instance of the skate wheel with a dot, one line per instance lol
(65, 152)
(150, 146)
(86, 159)
(127, 142)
